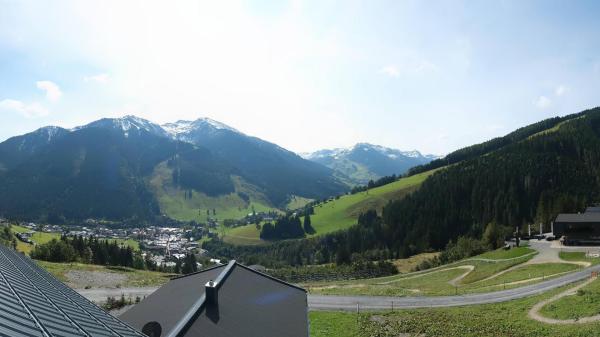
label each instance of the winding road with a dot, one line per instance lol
(352, 303)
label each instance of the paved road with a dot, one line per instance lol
(349, 303)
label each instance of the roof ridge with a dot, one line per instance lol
(183, 324)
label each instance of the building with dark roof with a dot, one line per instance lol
(33, 303)
(578, 229)
(228, 300)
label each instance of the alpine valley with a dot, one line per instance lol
(131, 168)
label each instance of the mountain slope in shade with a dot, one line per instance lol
(364, 162)
(104, 170)
(279, 172)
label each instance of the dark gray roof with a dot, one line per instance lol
(593, 209)
(34, 303)
(250, 304)
(591, 217)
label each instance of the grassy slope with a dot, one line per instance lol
(172, 200)
(297, 202)
(243, 235)
(497, 319)
(533, 271)
(135, 278)
(586, 302)
(37, 237)
(578, 256)
(434, 282)
(43, 237)
(342, 213)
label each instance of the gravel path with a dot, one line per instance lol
(82, 279)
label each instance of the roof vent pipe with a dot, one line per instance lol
(212, 293)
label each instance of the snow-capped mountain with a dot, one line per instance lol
(121, 168)
(126, 124)
(188, 131)
(365, 161)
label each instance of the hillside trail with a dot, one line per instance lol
(545, 253)
(469, 267)
(534, 313)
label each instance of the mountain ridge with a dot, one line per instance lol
(201, 159)
(364, 161)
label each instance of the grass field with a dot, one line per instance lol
(578, 256)
(243, 235)
(499, 254)
(173, 202)
(498, 319)
(43, 237)
(531, 271)
(134, 277)
(37, 237)
(343, 212)
(297, 202)
(436, 281)
(586, 302)
(408, 265)
(340, 213)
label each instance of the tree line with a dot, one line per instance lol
(88, 250)
(288, 227)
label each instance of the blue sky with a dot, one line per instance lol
(428, 75)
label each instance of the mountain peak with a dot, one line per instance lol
(125, 124)
(182, 128)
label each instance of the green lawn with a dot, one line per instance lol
(578, 256)
(333, 324)
(586, 302)
(243, 235)
(497, 319)
(532, 271)
(343, 212)
(499, 254)
(435, 282)
(37, 237)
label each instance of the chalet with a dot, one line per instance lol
(578, 229)
(227, 300)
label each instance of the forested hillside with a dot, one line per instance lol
(527, 181)
(530, 180)
(494, 144)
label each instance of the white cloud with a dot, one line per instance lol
(52, 90)
(32, 110)
(409, 65)
(100, 78)
(561, 90)
(542, 102)
(390, 70)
